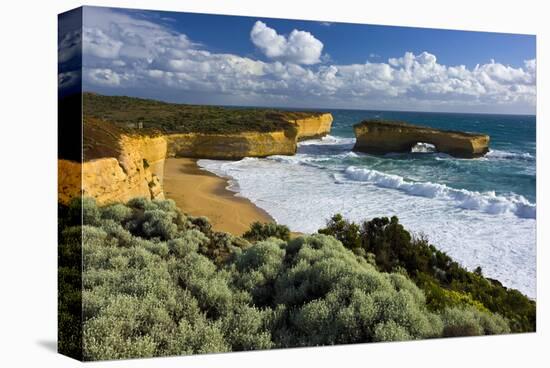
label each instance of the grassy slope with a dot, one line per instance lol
(180, 118)
(396, 124)
(100, 139)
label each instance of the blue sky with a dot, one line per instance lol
(356, 43)
(213, 59)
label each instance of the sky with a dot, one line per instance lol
(230, 60)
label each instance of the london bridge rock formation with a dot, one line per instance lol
(380, 137)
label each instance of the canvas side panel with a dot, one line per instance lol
(70, 183)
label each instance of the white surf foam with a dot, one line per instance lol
(328, 140)
(422, 147)
(487, 202)
(507, 155)
(304, 197)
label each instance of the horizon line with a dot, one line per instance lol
(316, 108)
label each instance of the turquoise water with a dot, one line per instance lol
(481, 211)
(510, 167)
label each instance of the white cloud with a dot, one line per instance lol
(134, 53)
(102, 77)
(118, 34)
(67, 79)
(300, 47)
(97, 43)
(531, 65)
(69, 46)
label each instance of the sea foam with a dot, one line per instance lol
(476, 228)
(507, 155)
(487, 202)
(303, 197)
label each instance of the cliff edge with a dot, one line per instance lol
(315, 126)
(126, 141)
(115, 168)
(232, 146)
(380, 137)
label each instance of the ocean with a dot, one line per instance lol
(482, 212)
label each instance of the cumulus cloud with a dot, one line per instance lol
(103, 77)
(69, 46)
(99, 44)
(67, 79)
(300, 47)
(530, 65)
(121, 51)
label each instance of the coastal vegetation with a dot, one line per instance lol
(132, 113)
(259, 231)
(157, 282)
(446, 284)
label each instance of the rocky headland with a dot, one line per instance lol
(380, 137)
(127, 140)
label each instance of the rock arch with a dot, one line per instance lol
(380, 137)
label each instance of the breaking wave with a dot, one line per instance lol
(507, 155)
(487, 202)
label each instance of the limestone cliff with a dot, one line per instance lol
(379, 137)
(232, 146)
(316, 126)
(151, 151)
(137, 171)
(120, 164)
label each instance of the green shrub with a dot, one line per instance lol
(154, 223)
(390, 331)
(345, 231)
(90, 213)
(116, 212)
(445, 283)
(330, 295)
(201, 223)
(245, 327)
(222, 246)
(156, 282)
(460, 322)
(259, 231)
(189, 243)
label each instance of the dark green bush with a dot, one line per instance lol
(445, 283)
(259, 231)
(69, 276)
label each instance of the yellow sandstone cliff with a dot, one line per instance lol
(379, 137)
(136, 172)
(232, 146)
(313, 127)
(119, 166)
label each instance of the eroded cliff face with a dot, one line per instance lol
(380, 137)
(138, 169)
(313, 127)
(150, 150)
(231, 146)
(136, 172)
(119, 166)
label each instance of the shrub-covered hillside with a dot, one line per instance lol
(166, 117)
(157, 282)
(444, 282)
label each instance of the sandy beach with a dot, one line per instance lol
(201, 193)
